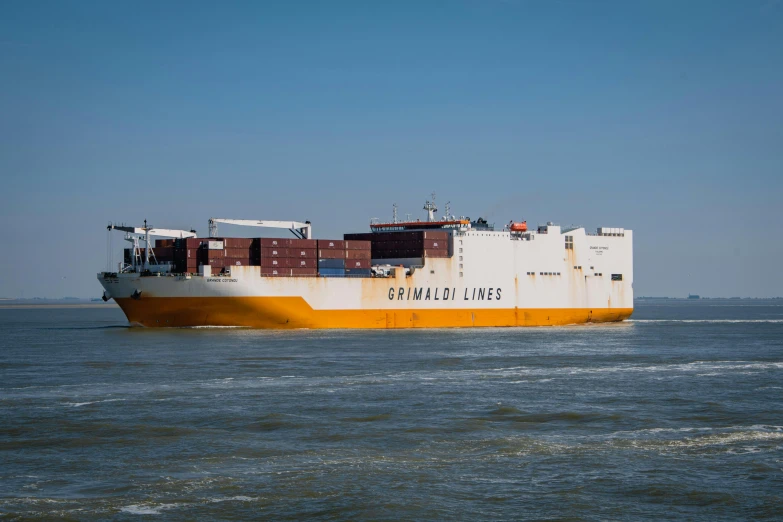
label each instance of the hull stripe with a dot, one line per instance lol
(294, 312)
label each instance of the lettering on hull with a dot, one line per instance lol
(444, 294)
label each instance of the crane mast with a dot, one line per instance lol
(133, 234)
(299, 229)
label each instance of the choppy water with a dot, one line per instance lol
(675, 414)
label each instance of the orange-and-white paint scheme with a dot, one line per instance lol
(493, 278)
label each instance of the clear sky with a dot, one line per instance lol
(665, 117)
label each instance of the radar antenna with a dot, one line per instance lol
(430, 207)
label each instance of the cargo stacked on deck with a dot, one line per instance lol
(406, 245)
(331, 258)
(186, 254)
(287, 257)
(222, 253)
(340, 258)
(159, 255)
(358, 254)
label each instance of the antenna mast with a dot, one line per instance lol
(430, 207)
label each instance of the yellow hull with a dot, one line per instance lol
(294, 312)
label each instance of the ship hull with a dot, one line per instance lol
(294, 312)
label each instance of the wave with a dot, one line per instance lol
(147, 509)
(238, 498)
(105, 327)
(211, 327)
(79, 404)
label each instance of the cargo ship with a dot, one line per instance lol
(434, 272)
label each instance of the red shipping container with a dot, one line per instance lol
(274, 262)
(239, 262)
(193, 242)
(191, 253)
(309, 253)
(436, 244)
(303, 243)
(208, 255)
(331, 254)
(436, 234)
(275, 272)
(235, 253)
(358, 254)
(304, 272)
(357, 263)
(274, 252)
(159, 243)
(436, 253)
(331, 244)
(237, 242)
(273, 242)
(357, 245)
(302, 263)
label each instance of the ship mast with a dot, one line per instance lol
(430, 207)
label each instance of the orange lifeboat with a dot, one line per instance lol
(518, 227)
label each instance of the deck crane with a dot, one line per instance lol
(133, 234)
(297, 228)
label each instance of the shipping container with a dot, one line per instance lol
(331, 254)
(193, 242)
(304, 271)
(436, 244)
(436, 234)
(331, 272)
(436, 253)
(357, 263)
(302, 263)
(237, 242)
(358, 254)
(365, 272)
(234, 253)
(274, 252)
(161, 243)
(331, 263)
(238, 262)
(274, 262)
(357, 245)
(303, 243)
(274, 272)
(308, 253)
(273, 242)
(331, 244)
(210, 254)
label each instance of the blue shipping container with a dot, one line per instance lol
(331, 272)
(358, 272)
(331, 263)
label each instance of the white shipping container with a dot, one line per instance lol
(215, 245)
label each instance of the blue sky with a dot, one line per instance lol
(662, 117)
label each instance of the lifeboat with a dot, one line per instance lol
(518, 227)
